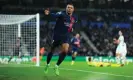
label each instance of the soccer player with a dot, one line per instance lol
(121, 49)
(61, 36)
(16, 51)
(97, 64)
(75, 45)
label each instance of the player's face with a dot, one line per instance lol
(77, 35)
(120, 33)
(70, 9)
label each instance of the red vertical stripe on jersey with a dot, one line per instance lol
(71, 24)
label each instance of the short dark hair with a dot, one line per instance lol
(70, 3)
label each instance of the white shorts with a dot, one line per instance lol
(121, 49)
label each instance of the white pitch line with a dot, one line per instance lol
(96, 72)
(78, 70)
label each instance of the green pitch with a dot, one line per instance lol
(79, 71)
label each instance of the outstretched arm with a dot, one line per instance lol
(47, 12)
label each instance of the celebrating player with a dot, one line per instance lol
(75, 45)
(121, 49)
(64, 23)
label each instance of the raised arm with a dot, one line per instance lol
(47, 12)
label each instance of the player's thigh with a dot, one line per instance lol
(64, 47)
(65, 43)
(118, 51)
(123, 53)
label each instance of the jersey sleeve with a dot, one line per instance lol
(55, 15)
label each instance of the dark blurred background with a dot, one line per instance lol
(99, 19)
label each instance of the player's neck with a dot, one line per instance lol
(70, 14)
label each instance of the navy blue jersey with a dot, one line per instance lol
(75, 42)
(64, 23)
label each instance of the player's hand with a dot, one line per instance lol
(47, 12)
